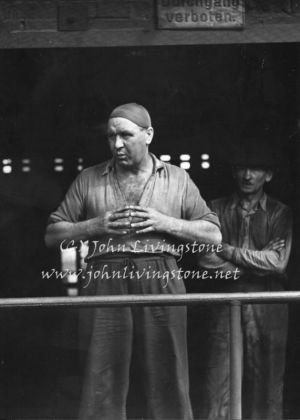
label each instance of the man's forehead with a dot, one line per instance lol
(252, 167)
(120, 123)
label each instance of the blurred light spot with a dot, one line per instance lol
(185, 165)
(72, 278)
(26, 169)
(80, 160)
(84, 249)
(205, 165)
(72, 291)
(185, 157)
(68, 259)
(205, 156)
(79, 167)
(6, 161)
(7, 169)
(58, 168)
(58, 160)
(165, 158)
(26, 161)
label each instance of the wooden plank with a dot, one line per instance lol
(117, 38)
(270, 5)
(112, 8)
(30, 9)
(117, 24)
(23, 25)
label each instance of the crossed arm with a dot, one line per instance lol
(273, 258)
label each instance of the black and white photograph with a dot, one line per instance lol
(149, 184)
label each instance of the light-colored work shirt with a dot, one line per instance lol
(169, 190)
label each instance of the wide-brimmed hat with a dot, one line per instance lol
(254, 152)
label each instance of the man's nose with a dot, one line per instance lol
(247, 173)
(119, 142)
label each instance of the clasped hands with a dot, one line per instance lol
(135, 218)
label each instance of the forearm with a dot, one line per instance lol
(264, 262)
(200, 231)
(58, 232)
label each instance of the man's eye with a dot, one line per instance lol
(126, 135)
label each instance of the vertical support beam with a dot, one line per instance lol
(236, 356)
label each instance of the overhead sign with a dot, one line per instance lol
(215, 14)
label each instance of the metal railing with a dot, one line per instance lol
(235, 300)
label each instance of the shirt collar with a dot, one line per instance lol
(107, 167)
(262, 202)
(158, 164)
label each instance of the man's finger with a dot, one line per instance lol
(146, 223)
(279, 243)
(274, 240)
(119, 215)
(146, 230)
(277, 246)
(119, 225)
(140, 214)
(137, 208)
(120, 209)
(117, 232)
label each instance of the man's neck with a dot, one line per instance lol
(145, 166)
(249, 201)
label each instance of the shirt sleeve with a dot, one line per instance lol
(194, 206)
(267, 261)
(71, 208)
(213, 261)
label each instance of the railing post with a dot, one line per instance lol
(236, 356)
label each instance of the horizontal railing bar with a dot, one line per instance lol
(149, 300)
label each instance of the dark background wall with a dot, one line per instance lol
(54, 103)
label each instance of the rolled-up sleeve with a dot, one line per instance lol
(194, 206)
(71, 208)
(268, 261)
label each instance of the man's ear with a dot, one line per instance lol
(149, 133)
(269, 175)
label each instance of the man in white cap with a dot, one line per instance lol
(133, 210)
(257, 235)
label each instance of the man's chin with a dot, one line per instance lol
(123, 161)
(248, 190)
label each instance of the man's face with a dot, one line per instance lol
(128, 142)
(251, 180)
